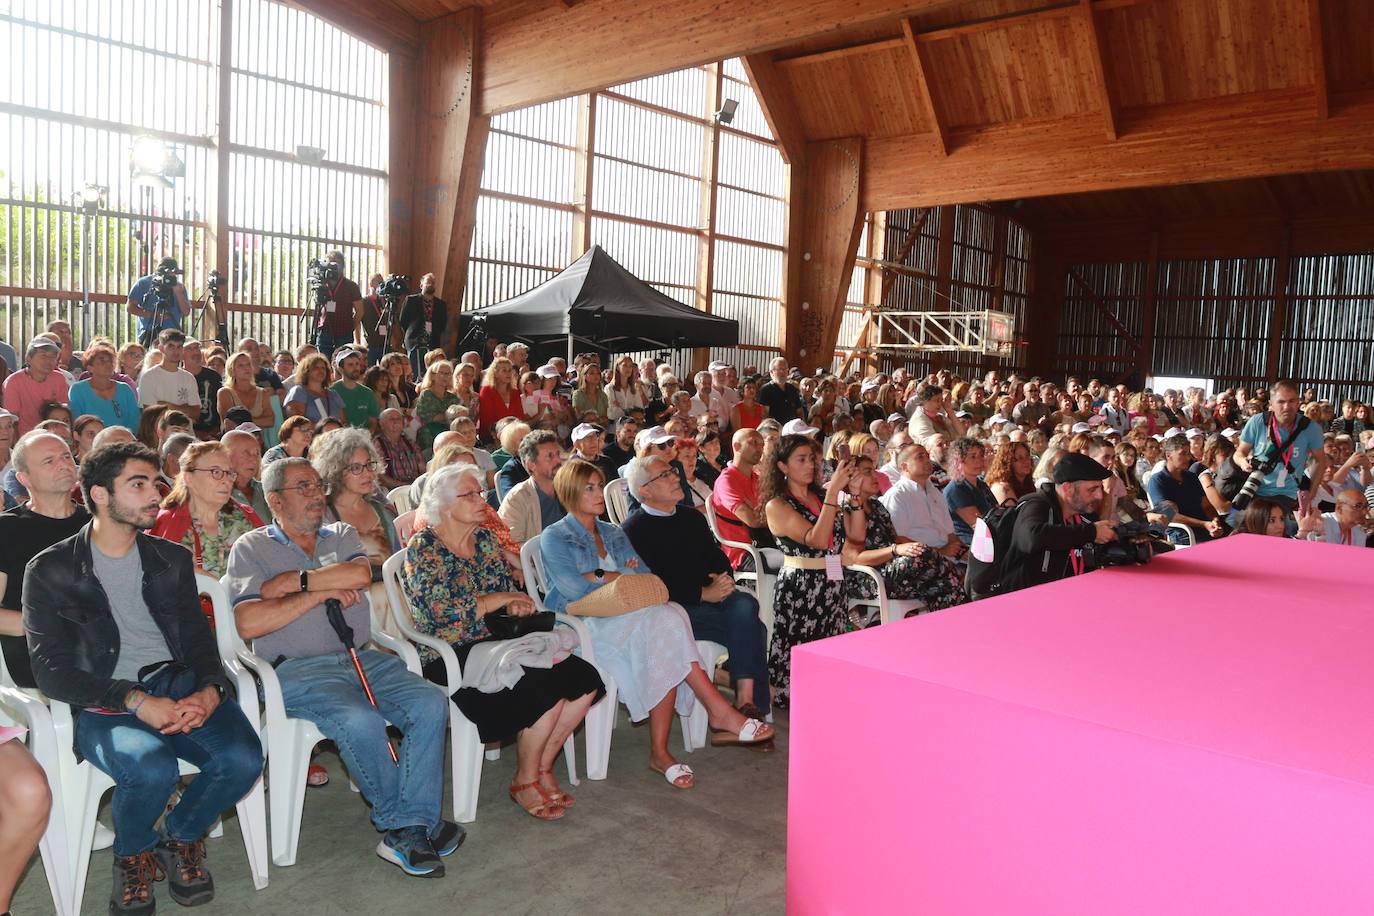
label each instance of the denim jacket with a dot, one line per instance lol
(570, 550)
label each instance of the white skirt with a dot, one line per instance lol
(648, 652)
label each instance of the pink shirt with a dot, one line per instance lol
(731, 487)
(23, 396)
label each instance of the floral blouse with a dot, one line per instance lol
(213, 555)
(442, 587)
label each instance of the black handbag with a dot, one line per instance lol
(508, 626)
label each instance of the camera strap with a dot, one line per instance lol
(1076, 555)
(1285, 448)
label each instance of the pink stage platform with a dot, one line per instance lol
(1191, 737)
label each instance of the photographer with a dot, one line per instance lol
(338, 304)
(377, 338)
(423, 319)
(159, 301)
(1274, 449)
(1055, 523)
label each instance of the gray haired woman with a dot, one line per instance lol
(350, 466)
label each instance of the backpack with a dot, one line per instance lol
(986, 578)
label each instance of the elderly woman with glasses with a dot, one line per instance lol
(453, 578)
(348, 463)
(199, 513)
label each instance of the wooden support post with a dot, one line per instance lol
(1100, 66)
(829, 223)
(1144, 363)
(920, 61)
(217, 244)
(1045, 308)
(582, 178)
(706, 234)
(450, 142)
(944, 271)
(402, 87)
(1279, 322)
(871, 337)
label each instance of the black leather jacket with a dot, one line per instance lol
(72, 634)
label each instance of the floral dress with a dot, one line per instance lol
(442, 589)
(806, 606)
(211, 551)
(930, 576)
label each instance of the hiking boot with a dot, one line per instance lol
(410, 848)
(187, 879)
(447, 837)
(133, 884)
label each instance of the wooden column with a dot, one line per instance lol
(873, 291)
(1045, 307)
(217, 241)
(944, 271)
(450, 142)
(1279, 320)
(401, 111)
(582, 177)
(827, 224)
(1144, 363)
(706, 234)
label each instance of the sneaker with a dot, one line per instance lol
(188, 881)
(409, 847)
(447, 837)
(132, 894)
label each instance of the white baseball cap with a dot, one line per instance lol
(798, 428)
(654, 435)
(583, 430)
(546, 371)
(1195, 433)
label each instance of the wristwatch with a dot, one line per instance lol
(305, 583)
(600, 575)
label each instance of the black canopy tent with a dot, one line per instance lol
(599, 303)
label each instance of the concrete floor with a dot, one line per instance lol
(633, 844)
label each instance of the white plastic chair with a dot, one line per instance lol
(880, 605)
(763, 580)
(617, 500)
(601, 717)
(1189, 538)
(400, 499)
(26, 708)
(288, 741)
(83, 785)
(465, 743)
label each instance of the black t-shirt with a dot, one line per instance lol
(208, 383)
(24, 534)
(784, 402)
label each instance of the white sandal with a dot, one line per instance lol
(674, 773)
(748, 734)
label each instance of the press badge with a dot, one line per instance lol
(329, 559)
(329, 307)
(834, 567)
(1283, 476)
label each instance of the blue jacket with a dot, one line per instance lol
(570, 550)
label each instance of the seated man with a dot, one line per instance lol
(531, 505)
(1181, 487)
(1346, 524)
(402, 456)
(104, 609)
(279, 579)
(917, 507)
(739, 510)
(678, 547)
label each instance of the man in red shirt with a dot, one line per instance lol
(735, 497)
(340, 312)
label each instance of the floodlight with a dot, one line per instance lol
(727, 111)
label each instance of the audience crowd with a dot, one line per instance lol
(281, 472)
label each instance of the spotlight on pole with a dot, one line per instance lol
(91, 198)
(154, 162)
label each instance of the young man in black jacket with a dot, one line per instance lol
(101, 609)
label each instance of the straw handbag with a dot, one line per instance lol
(629, 592)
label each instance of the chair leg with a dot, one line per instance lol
(85, 785)
(597, 726)
(253, 824)
(287, 762)
(570, 757)
(465, 745)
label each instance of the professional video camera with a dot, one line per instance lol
(392, 290)
(322, 274)
(395, 286)
(1131, 547)
(161, 298)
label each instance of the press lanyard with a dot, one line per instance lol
(429, 309)
(1076, 555)
(819, 509)
(196, 536)
(1345, 536)
(1287, 453)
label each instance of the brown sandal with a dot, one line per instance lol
(548, 810)
(558, 795)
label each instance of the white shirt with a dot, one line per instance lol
(918, 511)
(1331, 532)
(176, 387)
(699, 409)
(729, 397)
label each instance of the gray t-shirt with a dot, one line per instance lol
(140, 639)
(263, 553)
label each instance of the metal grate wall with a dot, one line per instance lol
(150, 68)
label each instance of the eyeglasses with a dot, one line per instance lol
(359, 468)
(671, 472)
(305, 489)
(1357, 506)
(473, 495)
(216, 473)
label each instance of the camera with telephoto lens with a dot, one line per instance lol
(395, 286)
(1259, 471)
(1125, 550)
(217, 281)
(320, 274)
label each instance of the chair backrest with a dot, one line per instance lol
(617, 500)
(711, 520)
(404, 525)
(227, 638)
(400, 499)
(532, 564)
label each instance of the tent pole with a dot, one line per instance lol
(570, 348)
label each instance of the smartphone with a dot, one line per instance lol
(842, 451)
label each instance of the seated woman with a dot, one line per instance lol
(687, 457)
(650, 652)
(967, 497)
(241, 391)
(1264, 516)
(453, 577)
(311, 396)
(909, 568)
(350, 467)
(1010, 475)
(199, 513)
(436, 397)
(709, 465)
(293, 440)
(456, 453)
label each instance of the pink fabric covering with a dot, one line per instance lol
(1187, 737)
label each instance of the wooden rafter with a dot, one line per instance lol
(914, 233)
(1102, 307)
(1092, 38)
(1319, 75)
(920, 59)
(776, 102)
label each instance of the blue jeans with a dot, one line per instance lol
(327, 343)
(143, 764)
(735, 624)
(325, 690)
(417, 362)
(375, 354)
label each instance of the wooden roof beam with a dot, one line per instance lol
(778, 110)
(1319, 75)
(1092, 39)
(920, 60)
(380, 23)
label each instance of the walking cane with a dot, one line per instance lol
(333, 609)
